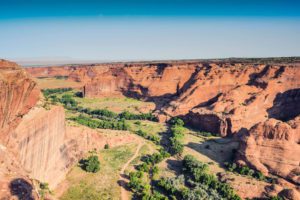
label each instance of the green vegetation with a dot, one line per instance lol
(177, 129)
(199, 179)
(106, 146)
(204, 134)
(44, 190)
(155, 139)
(104, 124)
(103, 184)
(91, 164)
(47, 92)
(246, 171)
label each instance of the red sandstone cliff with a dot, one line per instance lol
(31, 138)
(17, 95)
(273, 147)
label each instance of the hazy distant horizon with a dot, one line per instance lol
(61, 61)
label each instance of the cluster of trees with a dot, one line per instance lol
(143, 116)
(68, 101)
(174, 186)
(141, 189)
(104, 113)
(91, 164)
(199, 179)
(47, 92)
(177, 132)
(104, 124)
(246, 171)
(155, 139)
(196, 183)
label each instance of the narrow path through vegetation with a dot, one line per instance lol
(123, 180)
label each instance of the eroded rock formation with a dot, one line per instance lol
(273, 147)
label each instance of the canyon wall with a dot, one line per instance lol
(31, 137)
(39, 144)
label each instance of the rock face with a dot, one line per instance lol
(273, 147)
(31, 138)
(39, 143)
(18, 95)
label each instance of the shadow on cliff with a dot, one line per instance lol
(285, 105)
(22, 189)
(219, 150)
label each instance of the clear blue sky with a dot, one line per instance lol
(148, 29)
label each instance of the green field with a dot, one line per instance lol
(103, 184)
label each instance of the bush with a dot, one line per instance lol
(176, 121)
(138, 123)
(245, 170)
(106, 146)
(68, 101)
(91, 164)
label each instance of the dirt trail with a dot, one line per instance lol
(123, 180)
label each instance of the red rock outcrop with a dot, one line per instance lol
(273, 147)
(18, 95)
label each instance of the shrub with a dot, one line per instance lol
(106, 146)
(138, 123)
(177, 121)
(91, 164)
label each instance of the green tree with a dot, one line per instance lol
(92, 164)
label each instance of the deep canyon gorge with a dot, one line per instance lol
(255, 104)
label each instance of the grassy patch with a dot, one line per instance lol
(103, 184)
(116, 104)
(153, 128)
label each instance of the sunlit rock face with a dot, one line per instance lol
(31, 137)
(273, 147)
(18, 94)
(39, 143)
